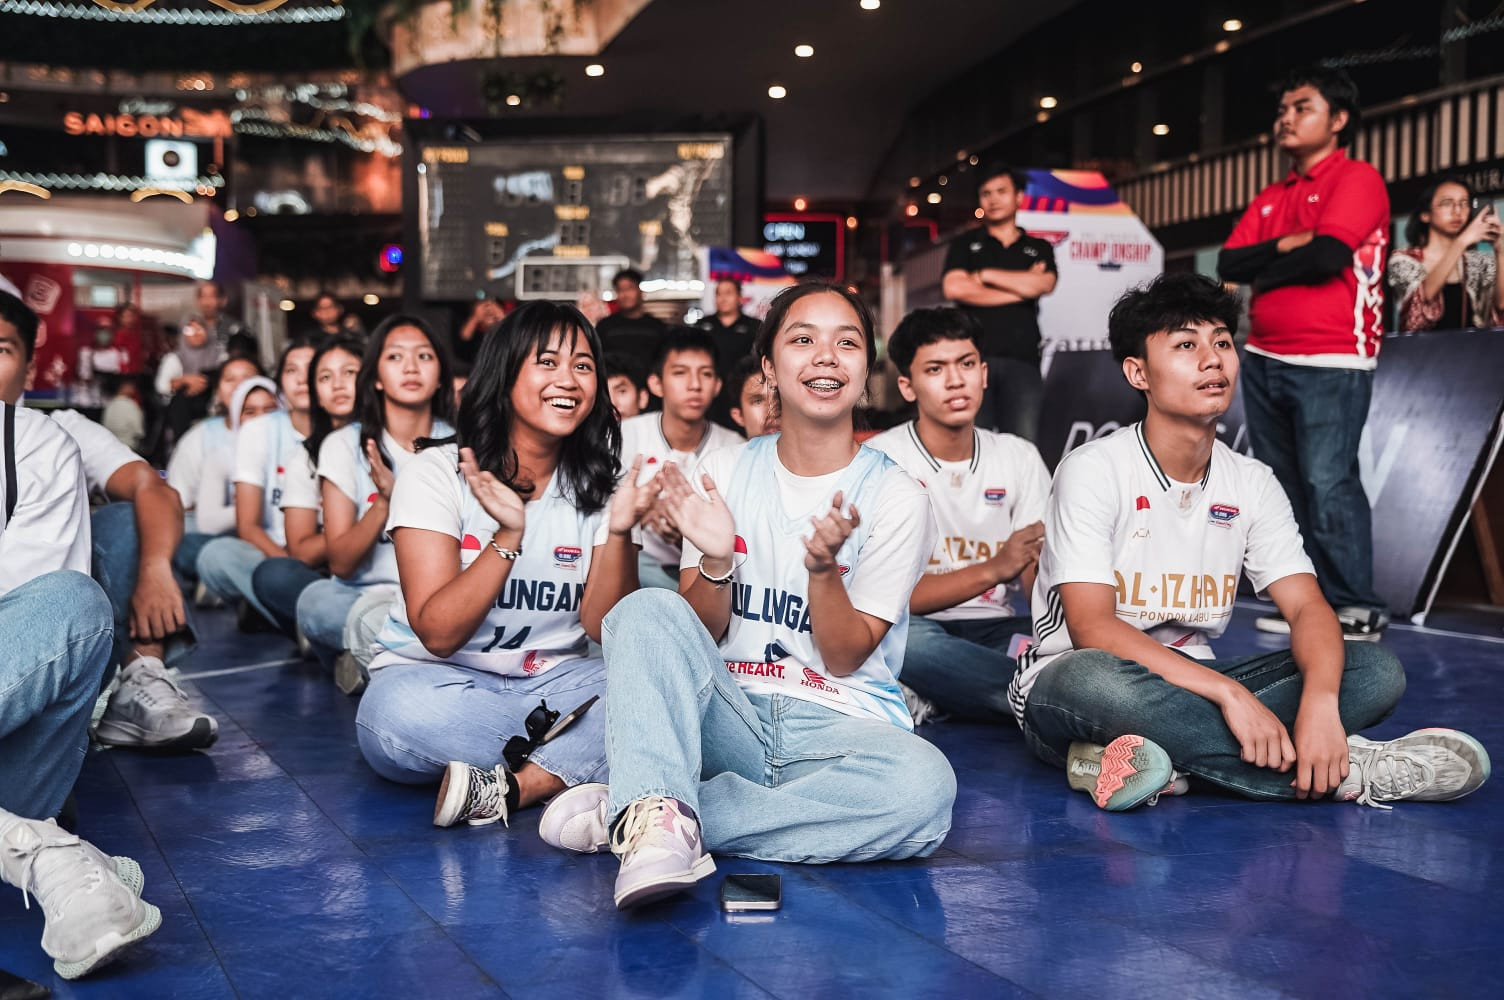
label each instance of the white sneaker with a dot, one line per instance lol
(576, 819)
(1275, 624)
(148, 711)
(658, 841)
(91, 901)
(1428, 765)
(472, 794)
(921, 708)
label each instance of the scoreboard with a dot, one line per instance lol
(552, 217)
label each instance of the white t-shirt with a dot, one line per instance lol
(49, 527)
(769, 647)
(343, 462)
(200, 470)
(534, 623)
(1172, 551)
(264, 450)
(300, 486)
(103, 454)
(978, 503)
(643, 435)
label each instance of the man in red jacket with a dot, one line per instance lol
(1312, 247)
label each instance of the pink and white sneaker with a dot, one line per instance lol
(1125, 773)
(658, 841)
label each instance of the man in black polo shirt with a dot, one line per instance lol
(631, 330)
(998, 273)
(732, 331)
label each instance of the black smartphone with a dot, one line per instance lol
(751, 893)
(13, 987)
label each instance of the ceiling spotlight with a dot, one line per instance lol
(1041, 116)
(1047, 102)
(973, 159)
(287, 305)
(513, 100)
(933, 197)
(977, 212)
(595, 69)
(911, 210)
(804, 51)
(913, 182)
(778, 92)
(800, 204)
(871, 4)
(1232, 24)
(850, 222)
(942, 180)
(1161, 129)
(1136, 67)
(371, 299)
(231, 215)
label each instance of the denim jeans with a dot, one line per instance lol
(415, 718)
(57, 635)
(226, 566)
(116, 555)
(651, 573)
(770, 777)
(1305, 424)
(322, 609)
(1011, 401)
(185, 558)
(366, 618)
(963, 666)
(1094, 696)
(278, 583)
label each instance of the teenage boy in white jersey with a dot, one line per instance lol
(1146, 534)
(988, 491)
(56, 631)
(133, 537)
(754, 408)
(684, 378)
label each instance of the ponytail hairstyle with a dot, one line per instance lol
(590, 458)
(370, 402)
(320, 422)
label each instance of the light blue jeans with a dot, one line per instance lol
(323, 607)
(225, 566)
(415, 718)
(57, 633)
(770, 777)
(115, 562)
(963, 666)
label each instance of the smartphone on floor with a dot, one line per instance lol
(751, 893)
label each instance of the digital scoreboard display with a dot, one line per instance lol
(552, 217)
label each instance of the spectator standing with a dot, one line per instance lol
(220, 325)
(1312, 247)
(631, 329)
(732, 332)
(998, 273)
(1442, 281)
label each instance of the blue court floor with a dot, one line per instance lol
(285, 869)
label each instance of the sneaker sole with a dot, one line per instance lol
(110, 947)
(1462, 745)
(202, 736)
(451, 800)
(1124, 758)
(650, 889)
(129, 872)
(1272, 626)
(1362, 636)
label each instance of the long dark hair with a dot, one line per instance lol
(370, 402)
(293, 344)
(778, 311)
(590, 458)
(1417, 230)
(320, 423)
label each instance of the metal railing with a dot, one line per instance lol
(1444, 130)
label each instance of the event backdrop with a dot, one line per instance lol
(1432, 434)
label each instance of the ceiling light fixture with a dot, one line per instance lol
(1047, 103)
(1161, 129)
(871, 4)
(804, 51)
(778, 92)
(595, 69)
(1136, 67)
(800, 204)
(933, 197)
(1232, 24)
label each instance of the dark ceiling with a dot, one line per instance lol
(677, 58)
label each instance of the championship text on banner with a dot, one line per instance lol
(1430, 439)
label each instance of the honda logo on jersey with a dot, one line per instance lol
(995, 496)
(567, 556)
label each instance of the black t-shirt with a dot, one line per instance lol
(732, 343)
(1010, 331)
(638, 338)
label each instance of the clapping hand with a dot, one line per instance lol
(381, 474)
(495, 497)
(631, 500)
(831, 532)
(705, 521)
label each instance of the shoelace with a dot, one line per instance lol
(641, 816)
(93, 875)
(487, 800)
(148, 680)
(1391, 774)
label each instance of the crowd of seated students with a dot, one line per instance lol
(765, 616)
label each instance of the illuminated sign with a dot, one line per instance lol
(185, 123)
(810, 245)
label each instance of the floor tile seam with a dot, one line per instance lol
(182, 890)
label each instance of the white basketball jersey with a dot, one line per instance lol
(978, 503)
(534, 623)
(769, 647)
(643, 435)
(283, 442)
